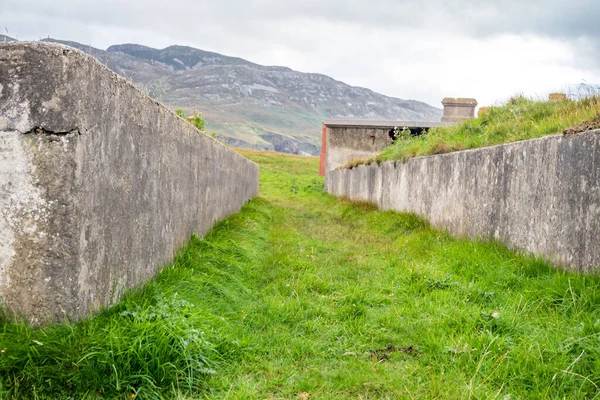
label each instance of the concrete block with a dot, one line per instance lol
(99, 184)
(458, 109)
(557, 97)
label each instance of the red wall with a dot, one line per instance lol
(323, 151)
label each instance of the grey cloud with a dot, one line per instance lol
(253, 28)
(551, 18)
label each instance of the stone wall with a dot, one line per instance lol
(345, 144)
(99, 184)
(458, 109)
(346, 140)
(540, 195)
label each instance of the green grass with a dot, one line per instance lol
(520, 119)
(302, 295)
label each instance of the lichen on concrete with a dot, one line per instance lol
(101, 185)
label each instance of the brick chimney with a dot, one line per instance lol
(459, 109)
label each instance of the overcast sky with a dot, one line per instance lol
(417, 49)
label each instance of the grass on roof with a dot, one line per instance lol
(519, 119)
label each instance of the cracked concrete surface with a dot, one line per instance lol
(99, 184)
(42, 131)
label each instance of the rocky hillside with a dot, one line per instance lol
(250, 105)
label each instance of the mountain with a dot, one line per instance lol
(4, 38)
(247, 104)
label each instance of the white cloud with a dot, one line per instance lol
(422, 50)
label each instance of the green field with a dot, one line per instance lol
(305, 296)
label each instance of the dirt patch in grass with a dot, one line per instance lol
(442, 148)
(385, 353)
(584, 126)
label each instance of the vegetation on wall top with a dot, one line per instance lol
(197, 120)
(519, 119)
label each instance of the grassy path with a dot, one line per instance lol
(302, 295)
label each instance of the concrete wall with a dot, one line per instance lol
(345, 140)
(99, 184)
(344, 144)
(540, 195)
(458, 109)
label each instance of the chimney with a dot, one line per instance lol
(557, 97)
(458, 110)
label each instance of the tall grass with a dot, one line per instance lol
(302, 295)
(520, 119)
(160, 341)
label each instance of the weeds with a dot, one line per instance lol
(302, 295)
(520, 119)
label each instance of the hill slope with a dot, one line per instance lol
(250, 105)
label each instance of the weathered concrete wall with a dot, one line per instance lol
(540, 195)
(458, 110)
(345, 144)
(345, 140)
(99, 184)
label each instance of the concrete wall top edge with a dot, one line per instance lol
(460, 101)
(538, 195)
(18, 49)
(383, 124)
(100, 185)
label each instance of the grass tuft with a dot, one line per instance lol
(519, 119)
(302, 295)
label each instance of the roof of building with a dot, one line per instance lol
(340, 122)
